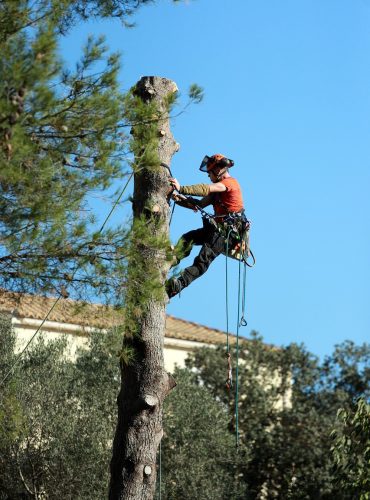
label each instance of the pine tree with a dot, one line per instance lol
(62, 137)
(144, 382)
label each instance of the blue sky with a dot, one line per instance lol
(287, 97)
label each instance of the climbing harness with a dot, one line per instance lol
(236, 221)
(235, 229)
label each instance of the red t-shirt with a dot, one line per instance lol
(230, 200)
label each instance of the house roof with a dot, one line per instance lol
(24, 305)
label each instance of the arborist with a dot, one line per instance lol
(224, 193)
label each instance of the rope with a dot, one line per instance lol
(172, 212)
(160, 470)
(229, 380)
(253, 259)
(227, 294)
(10, 371)
(116, 202)
(243, 321)
(237, 365)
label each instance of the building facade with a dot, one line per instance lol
(76, 320)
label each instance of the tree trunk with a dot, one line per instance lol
(144, 382)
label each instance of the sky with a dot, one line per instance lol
(287, 97)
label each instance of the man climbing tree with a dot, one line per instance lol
(224, 193)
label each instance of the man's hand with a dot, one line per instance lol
(184, 201)
(175, 183)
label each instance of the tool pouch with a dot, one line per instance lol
(235, 229)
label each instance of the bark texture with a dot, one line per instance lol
(145, 382)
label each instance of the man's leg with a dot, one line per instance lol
(211, 248)
(204, 259)
(185, 244)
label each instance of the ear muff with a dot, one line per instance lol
(225, 162)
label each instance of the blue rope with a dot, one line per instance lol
(237, 365)
(243, 321)
(240, 322)
(227, 293)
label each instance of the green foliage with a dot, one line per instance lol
(199, 458)
(143, 275)
(11, 417)
(57, 419)
(62, 445)
(148, 238)
(62, 419)
(60, 141)
(287, 408)
(347, 373)
(351, 450)
(196, 93)
(144, 117)
(15, 15)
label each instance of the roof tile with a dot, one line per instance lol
(100, 316)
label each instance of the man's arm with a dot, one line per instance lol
(204, 202)
(185, 201)
(192, 203)
(217, 187)
(198, 189)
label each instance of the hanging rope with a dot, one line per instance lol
(237, 364)
(241, 321)
(160, 470)
(229, 380)
(18, 358)
(172, 212)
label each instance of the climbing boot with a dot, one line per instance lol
(174, 286)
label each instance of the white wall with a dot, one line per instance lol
(175, 350)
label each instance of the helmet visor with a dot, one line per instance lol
(203, 165)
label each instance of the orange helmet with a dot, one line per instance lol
(217, 160)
